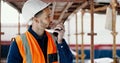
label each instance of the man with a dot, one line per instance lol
(37, 45)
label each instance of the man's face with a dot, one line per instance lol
(44, 18)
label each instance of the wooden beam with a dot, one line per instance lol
(98, 9)
(53, 10)
(19, 24)
(13, 25)
(101, 9)
(81, 6)
(63, 0)
(49, 0)
(15, 0)
(68, 35)
(78, 8)
(113, 4)
(60, 13)
(82, 37)
(0, 31)
(64, 10)
(76, 36)
(92, 31)
(14, 6)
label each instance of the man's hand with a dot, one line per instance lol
(60, 30)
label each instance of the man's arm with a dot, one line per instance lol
(63, 49)
(14, 54)
(64, 53)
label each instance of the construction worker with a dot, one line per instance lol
(37, 45)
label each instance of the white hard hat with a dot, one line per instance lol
(31, 7)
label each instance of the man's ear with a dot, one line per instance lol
(35, 19)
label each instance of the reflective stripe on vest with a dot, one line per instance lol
(31, 51)
(27, 48)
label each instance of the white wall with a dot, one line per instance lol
(9, 22)
(103, 35)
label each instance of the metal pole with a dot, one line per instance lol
(82, 37)
(77, 58)
(114, 33)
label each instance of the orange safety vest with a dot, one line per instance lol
(31, 51)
